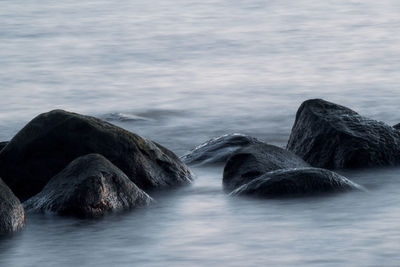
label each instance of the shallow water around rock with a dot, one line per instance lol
(200, 225)
(182, 72)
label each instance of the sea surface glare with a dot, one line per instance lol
(183, 71)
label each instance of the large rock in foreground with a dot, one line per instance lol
(332, 136)
(12, 216)
(218, 149)
(52, 140)
(250, 162)
(89, 186)
(296, 182)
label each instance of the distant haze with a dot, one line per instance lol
(219, 60)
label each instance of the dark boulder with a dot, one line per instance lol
(12, 215)
(218, 149)
(331, 136)
(3, 145)
(52, 140)
(250, 162)
(296, 182)
(397, 126)
(89, 186)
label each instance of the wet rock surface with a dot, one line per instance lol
(331, 136)
(12, 215)
(3, 144)
(296, 183)
(123, 117)
(218, 150)
(90, 186)
(254, 160)
(52, 140)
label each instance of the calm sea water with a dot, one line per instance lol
(180, 72)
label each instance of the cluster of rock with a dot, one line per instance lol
(325, 136)
(71, 164)
(268, 171)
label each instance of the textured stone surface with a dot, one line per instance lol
(250, 162)
(332, 136)
(52, 140)
(90, 186)
(218, 150)
(296, 182)
(12, 215)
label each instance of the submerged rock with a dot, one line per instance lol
(52, 140)
(332, 136)
(3, 145)
(252, 161)
(123, 117)
(89, 186)
(296, 182)
(218, 149)
(12, 215)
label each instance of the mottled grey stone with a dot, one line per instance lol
(331, 136)
(12, 215)
(89, 186)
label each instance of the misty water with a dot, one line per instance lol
(181, 72)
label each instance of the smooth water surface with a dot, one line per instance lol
(180, 72)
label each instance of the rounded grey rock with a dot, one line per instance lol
(297, 182)
(90, 186)
(254, 160)
(331, 136)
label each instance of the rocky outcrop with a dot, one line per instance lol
(12, 215)
(52, 140)
(397, 126)
(295, 183)
(332, 136)
(252, 161)
(89, 186)
(218, 150)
